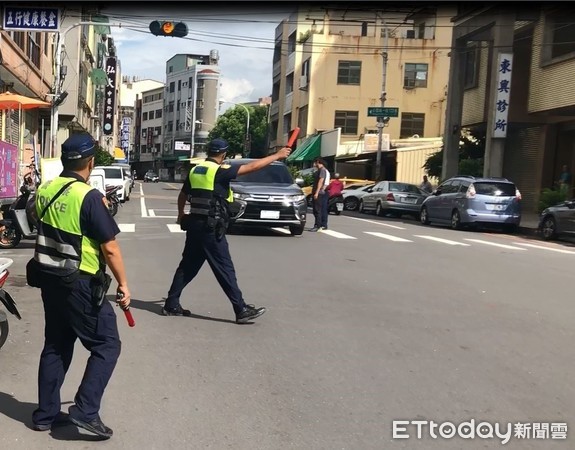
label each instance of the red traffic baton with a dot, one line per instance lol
(293, 137)
(127, 312)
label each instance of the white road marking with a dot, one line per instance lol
(558, 250)
(143, 201)
(376, 222)
(127, 227)
(336, 234)
(151, 213)
(162, 217)
(509, 247)
(174, 228)
(389, 237)
(443, 241)
(282, 230)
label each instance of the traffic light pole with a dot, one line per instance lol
(381, 120)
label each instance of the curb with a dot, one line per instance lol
(528, 231)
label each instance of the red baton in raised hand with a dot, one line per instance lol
(126, 309)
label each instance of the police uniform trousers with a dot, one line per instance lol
(69, 314)
(202, 245)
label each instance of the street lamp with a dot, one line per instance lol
(247, 140)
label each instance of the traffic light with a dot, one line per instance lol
(172, 29)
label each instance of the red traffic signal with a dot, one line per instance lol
(172, 29)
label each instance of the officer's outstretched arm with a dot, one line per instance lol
(263, 162)
(113, 257)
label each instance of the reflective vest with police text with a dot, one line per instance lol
(60, 243)
(202, 181)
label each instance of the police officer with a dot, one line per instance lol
(76, 239)
(208, 191)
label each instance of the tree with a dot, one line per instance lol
(231, 126)
(102, 157)
(471, 151)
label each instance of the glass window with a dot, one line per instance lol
(415, 75)
(269, 174)
(347, 121)
(349, 72)
(411, 124)
(495, 189)
(145, 116)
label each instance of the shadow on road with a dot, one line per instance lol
(155, 306)
(22, 412)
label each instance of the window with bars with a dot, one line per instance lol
(411, 124)
(415, 75)
(349, 72)
(347, 121)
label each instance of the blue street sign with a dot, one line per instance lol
(31, 19)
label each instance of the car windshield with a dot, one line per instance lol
(113, 173)
(269, 174)
(403, 187)
(495, 189)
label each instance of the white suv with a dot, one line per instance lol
(115, 177)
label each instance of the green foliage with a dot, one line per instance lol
(294, 172)
(102, 157)
(231, 126)
(471, 150)
(550, 197)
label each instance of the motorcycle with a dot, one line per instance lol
(19, 221)
(335, 204)
(112, 199)
(6, 300)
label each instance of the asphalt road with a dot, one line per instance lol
(372, 321)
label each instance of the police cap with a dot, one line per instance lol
(78, 146)
(218, 146)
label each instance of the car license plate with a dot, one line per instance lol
(270, 214)
(409, 200)
(496, 207)
(339, 206)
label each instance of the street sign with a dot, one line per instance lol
(382, 112)
(18, 18)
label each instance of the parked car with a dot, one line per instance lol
(114, 176)
(353, 193)
(467, 200)
(347, 183)
(268, 197)
(151, 177)
(393, 198)
(558, 220)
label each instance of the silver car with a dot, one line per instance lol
(393, 198)
(353, 193)
(467, 200)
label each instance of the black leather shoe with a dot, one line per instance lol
(250, 312)
(95, 426)
(179, 311)
(60, 420)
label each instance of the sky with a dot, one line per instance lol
(243, 37)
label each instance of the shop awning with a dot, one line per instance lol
(308, 150)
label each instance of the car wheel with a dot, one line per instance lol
(423, 216)
(379, 210)
(9, 236)
(296, 230)
(549, 228)
(510, 228)
(455, 220)
(350, 203)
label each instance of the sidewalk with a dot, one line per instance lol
(529, 224)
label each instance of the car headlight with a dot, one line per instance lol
(296, 198)
(239, 196)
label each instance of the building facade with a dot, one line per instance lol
(328, 69)
(191, 104)
(530, 132)
(148, 136)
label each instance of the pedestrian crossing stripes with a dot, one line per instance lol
(392, 238)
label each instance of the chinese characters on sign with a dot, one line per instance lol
(110, 96)
(31, 19)
(502, 94)
(8, 170)
(125, 135)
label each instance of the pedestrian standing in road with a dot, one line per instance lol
(426, 185)
(321, 179)
(565, 181)
(207, 189)
(75, 242)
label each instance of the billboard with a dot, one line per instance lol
(110, 96)
(8, 170)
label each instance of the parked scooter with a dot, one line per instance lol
(112, 199)
(6, 300)
(335, 204)
(19, 219)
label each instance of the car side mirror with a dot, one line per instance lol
(571, 204)
(299, 181)
(437, 192)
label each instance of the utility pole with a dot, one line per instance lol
(381, 120)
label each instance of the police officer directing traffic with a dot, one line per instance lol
(208, 190)
(76, 240)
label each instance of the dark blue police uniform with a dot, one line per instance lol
(201, 245)
(70, 314)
